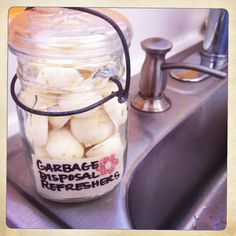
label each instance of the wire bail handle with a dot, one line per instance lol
(122, 94)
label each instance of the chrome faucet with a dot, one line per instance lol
(215, 45)
(214, 53)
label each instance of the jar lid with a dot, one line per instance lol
(62, 32)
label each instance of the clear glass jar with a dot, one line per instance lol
(65, 59)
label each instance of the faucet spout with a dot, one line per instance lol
(215, 45)
(214, 52)
(216, 36)
(203, 69)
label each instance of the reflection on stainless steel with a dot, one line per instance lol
(209, 206)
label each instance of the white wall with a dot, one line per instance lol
(181, 26)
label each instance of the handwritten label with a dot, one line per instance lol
(80, 178)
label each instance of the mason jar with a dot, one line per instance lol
(72, 101)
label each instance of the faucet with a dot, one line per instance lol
(215, 45)
(214, 53)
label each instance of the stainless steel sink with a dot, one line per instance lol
(180, 183)
(175, 173)
(168, 181)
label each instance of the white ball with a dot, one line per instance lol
(107, 147)
(33, 98)
(69, 102)
(108, 88)
(59, 77)
(63, 146)
(58, 122)
(117, 111)
(27, 98)
(92, 129)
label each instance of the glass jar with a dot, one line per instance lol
(69, 60)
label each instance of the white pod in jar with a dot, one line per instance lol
(85, 85)
(93, 129)
(108, 89)
(62, 145)
(58, 122)
(27, 98)
(69, 102)
(111, 145)
(117, 111)
(100, 84)
(36, 129)
(59, 77)
(32, 98)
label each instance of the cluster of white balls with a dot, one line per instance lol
(89, 134)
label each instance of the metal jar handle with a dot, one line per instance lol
(122, 94)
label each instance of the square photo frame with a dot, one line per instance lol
(230, 228)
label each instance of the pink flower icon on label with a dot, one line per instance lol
(107, 164)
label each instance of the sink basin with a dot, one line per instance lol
(180, 183)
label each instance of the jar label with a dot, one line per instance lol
(80, 178)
